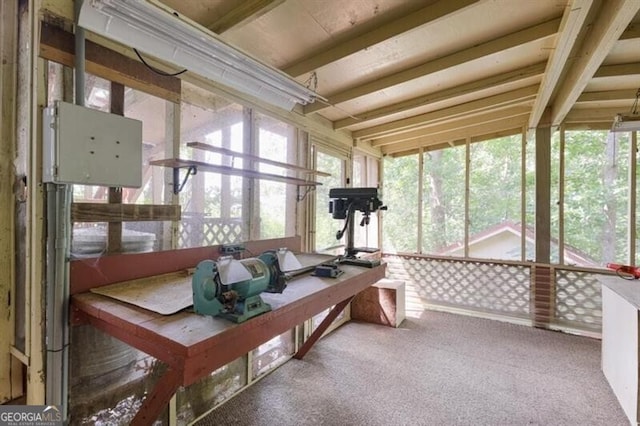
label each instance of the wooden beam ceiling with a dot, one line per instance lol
(455, 125)
(592, 115)
(618, 70)
(474, 132)
(572, 24)
(536, 32)
(466, 110)
(608, 95)
(488, 83)
(431, 13)
(244, 13)
(608, 26)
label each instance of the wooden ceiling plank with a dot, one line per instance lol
(246, 12)
(510, 98)
(572, 24)
(609, 95)
(536, 32)
(474, 132)
(456, 124)
(618, 70)
(632, 31)
(591, 115)
(436, 146)
(608, 26)
(431, 13)
(488, 83)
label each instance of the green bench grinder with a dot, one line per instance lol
(231, 288)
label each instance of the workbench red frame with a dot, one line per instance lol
(192, 345)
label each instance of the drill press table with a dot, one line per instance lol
(193, 345)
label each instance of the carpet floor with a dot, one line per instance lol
(436, 369)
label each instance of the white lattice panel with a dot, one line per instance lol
(488, 287)
(578, 300)
(198, 232)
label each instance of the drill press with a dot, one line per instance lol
(343, 205)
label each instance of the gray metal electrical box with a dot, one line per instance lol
(91, 147)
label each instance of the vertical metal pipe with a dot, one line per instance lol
(59, 199)
(79, 56)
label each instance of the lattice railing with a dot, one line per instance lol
(197, 231)
(489, 287)
(503, 289)
(578, 301)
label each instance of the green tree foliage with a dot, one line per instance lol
(400, 186)
(596, 193)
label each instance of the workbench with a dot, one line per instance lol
(193, 345)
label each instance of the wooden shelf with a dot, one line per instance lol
(193, 166)
(235, 154)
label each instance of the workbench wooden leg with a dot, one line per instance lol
(333, 314)
(158, 399)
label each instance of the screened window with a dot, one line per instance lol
(443, 202)
(495, 199)
(211, 202)
(596, 197)
(401, 197)
(326, 226)
(276, 141)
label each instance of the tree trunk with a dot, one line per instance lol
(436, 202)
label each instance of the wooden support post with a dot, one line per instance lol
(333, 314)
(543, 194)
(543, 277)
(10, 368)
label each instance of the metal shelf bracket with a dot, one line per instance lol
(179, 185)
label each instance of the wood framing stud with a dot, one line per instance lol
(100, 212)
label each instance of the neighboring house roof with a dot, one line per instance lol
(572, 255)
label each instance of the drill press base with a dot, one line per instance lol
(366, 263)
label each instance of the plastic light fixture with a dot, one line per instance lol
(159, 31)
(626, 123)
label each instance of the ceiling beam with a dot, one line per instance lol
(459, 142)
(608, 26)
(608, 95)
(428, 14)
(536, 32)
(632, 31)
(460, 123)
(466, 109)
(474, 132)
(246, 12)
(572, 24)
(592, 115)
(618, 70)
(488, 83)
